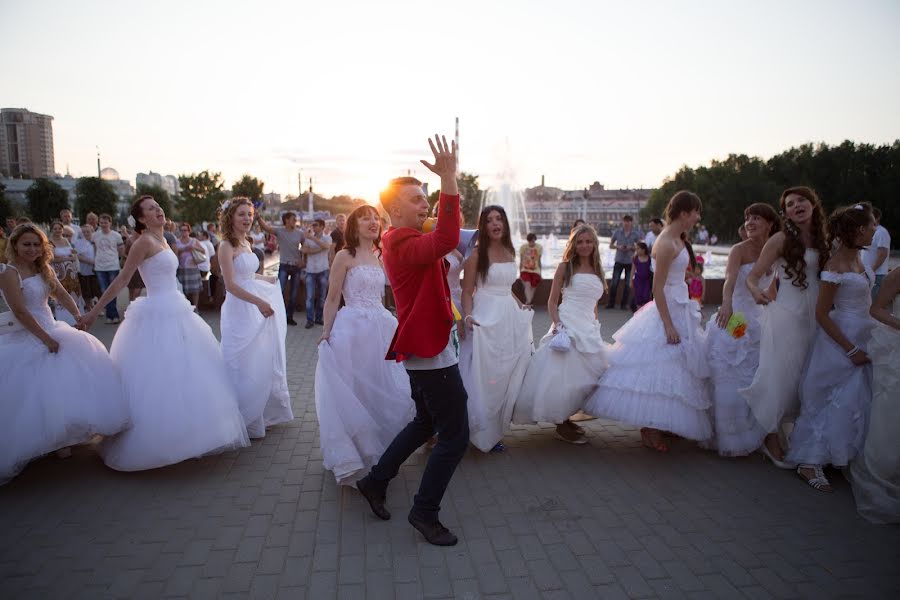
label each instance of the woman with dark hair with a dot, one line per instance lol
(733, 335)
(657, 366)
(562, 375)
(498, 340)
(875, 472)
(253, 325)
(182, 402)
(788, 323)
(59, 386)
(362, 400)
(836, 389)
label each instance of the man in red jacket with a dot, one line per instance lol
(426, 342)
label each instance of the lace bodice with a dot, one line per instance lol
(853, 295)
(364, 287)
(36, 292)
(499, 280)
(158, 273)
(245, 266)
(741, 299)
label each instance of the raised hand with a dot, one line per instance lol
(445, 164)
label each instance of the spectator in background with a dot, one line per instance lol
(702, 235)
(93, 220)
(65, 266)
(206, 265)
(170, 233)
(291, 261)
(316, 247)
(877, 253)
(695, 282)
(656, 225)
(212, 229)
(530, 267)
(258, 238)
(65, 216)
(109, 248)
(2, 245)
(577, 223)
(623, 240)
(742, 233)
(188, 274)
(337, 234)
(87, 279)
(641, 277)
(135, 284)
(10, 225)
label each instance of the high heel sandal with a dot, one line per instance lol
(818, 480)
(767, 454)
(647, 440)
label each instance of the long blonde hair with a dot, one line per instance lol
(42, 264)
(226, 219)
(570, 255)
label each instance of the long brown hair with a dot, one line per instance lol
(570, 256)
(226, 220)
(137, 212)
(484, 240)
(793, 248)
(765, 212)
(684, 201)
(42, 264)
(351, 229)
(844, 224)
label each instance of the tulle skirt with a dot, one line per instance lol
(362, 400)
(835, 397)
(253, 348)
(557, 384)
(182, 402)
(732, 363)
(651, 383)
(51, 401)
(875, 472)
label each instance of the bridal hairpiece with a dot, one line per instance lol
(131, 222)
(225, 205)
(858, 207)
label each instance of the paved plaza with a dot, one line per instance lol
(545, 519)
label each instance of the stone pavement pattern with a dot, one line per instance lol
(544, 520)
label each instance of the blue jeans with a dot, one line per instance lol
(292, 273)
(104, 278)
(314, 306)
(878, 281)
(440, 408)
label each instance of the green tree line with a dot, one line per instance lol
(840, 175)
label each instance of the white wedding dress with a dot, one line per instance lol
(835, 394)
(557, 384)
(875, 472)
(362, 400)
(51, 401)
(787, 326)
(494, 355)
(651, 383)
(182, 402)
(733, 363)
(253, 348)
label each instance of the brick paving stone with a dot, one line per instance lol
(543, 520)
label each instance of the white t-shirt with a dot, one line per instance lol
(85, 249)
(649, 239)
(259, 239)
(210, 252)
(318, 262)
(107, 245)
(881, 239)
(448, 357)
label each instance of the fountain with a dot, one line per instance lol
(512, 200)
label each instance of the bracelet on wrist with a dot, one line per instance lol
(852, 351)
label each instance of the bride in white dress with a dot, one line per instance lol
(498, 339)
(657, 367)
(875, 472)
(59, 385)
(788, 322)
(733, 359)
(836, 389)
(182, 402)
(253, 326)
(362, 400)
(558, 382)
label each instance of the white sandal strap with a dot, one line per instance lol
(819, 481)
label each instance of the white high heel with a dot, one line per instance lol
(778, 463)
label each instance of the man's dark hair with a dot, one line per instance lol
(876, 212)
(320, 222)
(531, 237)
(657, 221)
(578, 222)
(628, 218)
(286, 216)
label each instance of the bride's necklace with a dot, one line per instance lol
(161, 237)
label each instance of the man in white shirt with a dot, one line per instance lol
(109, 249)
(65, 215)
(876, 255)
(656, 226)
(316, 246)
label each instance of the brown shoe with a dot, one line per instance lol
(375, 498)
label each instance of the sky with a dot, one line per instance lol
(348, 92)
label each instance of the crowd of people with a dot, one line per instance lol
(799, 363)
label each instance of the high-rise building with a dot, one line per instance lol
(26, 143)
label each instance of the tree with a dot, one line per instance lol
(470, 198)
(201, 195)
(45, 199)
(160, 195)
(6, 207)
(249, 187)
(95, 195)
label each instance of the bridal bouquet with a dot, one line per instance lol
(737, 325)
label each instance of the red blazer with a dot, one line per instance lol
(417, 272)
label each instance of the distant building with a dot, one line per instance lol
(122, 187)
(16, 188)
(552, 210)
(26, 144)
(272, 199)
(166, 182)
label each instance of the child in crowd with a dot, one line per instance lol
(641, 277)
(696, 283)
